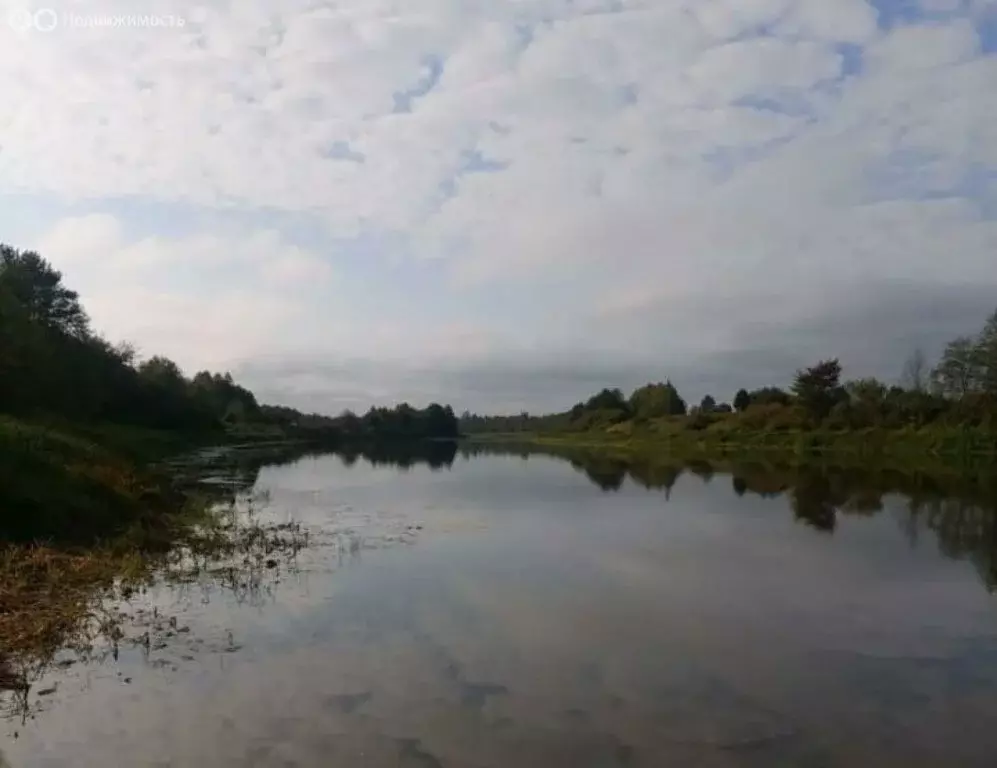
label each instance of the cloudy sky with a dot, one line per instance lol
(508, 204)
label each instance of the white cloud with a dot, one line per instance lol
(845, 21)
(925, 47)
(630, 156)
(730, 18)
(202, 300)
(760, 68)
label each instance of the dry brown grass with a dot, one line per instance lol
(51, 599)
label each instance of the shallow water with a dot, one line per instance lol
(511, 611)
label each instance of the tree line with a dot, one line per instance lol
(55, 366)
(959, 390)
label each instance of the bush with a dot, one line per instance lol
(700, 421)
(790, 419)
(840, 418)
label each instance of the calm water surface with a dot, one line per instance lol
(512, 611)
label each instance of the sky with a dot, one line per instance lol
(508, 204)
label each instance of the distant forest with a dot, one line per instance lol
(959, 390)
(55, 367)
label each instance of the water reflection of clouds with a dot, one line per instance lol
(568, 628)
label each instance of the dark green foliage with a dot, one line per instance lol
(960, 371)
(291, 420)
(969, 365)
(956, 415)
(770, 396)
(440, 421)
(520, 423)
(608, 400)
(406, 422)
(54, 368)
(986, 356)
(60, 487)
(818, 388)
(402, 422)
(163, 373)
(601, 411)
(656, 400)
(31, 282)
(742, 400)
(224, 397)
(699, 420)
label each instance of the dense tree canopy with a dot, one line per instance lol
(818, 388)
(742, 400)
(52, 365)
(770, 396)
(30, 281)
(960, 370)
(655, 400)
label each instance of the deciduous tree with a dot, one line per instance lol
(960, 370)
(818, 388)
(742, 400)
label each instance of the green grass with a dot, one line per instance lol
(84, 485)
(933, 446)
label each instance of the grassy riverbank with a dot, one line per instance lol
(79, 484)
(910, 447)
(90, 514)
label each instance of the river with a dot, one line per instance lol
(507, 608)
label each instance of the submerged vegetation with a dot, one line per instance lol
(949, 411)
(63, 603)
(76, 603)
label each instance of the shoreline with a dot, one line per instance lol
(963, 449)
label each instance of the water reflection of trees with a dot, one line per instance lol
(223, 472)
(964, 530)
(815, 500)
(958, 509)
(435, 454)
(608, 473)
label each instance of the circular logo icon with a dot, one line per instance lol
(42, 20)
(21, 20)
(46, 19)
